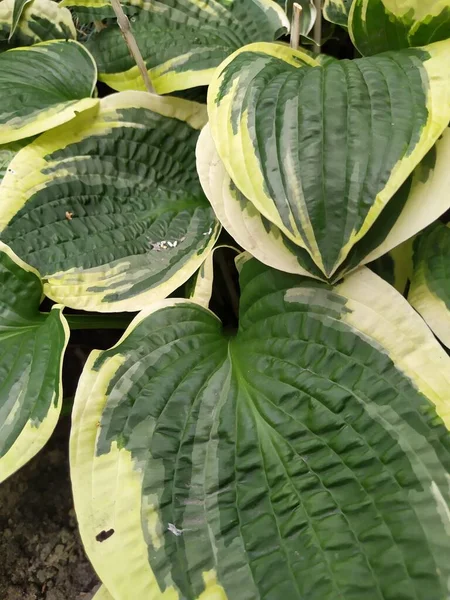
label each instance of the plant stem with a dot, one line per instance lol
(317, 33)
(295, 26)
(98, 321)
(130, 40)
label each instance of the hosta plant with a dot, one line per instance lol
(268, 224)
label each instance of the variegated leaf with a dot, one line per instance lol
(108, 207)
(336, 11)
(38, 21)
(379, 25)
(320, 150)
(182, 42)
(43, 86)
(32, 348)
(256, 234)
(430, 286)
(305, 457)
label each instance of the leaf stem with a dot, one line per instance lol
(130, 40)
(295, 25)
(317, 32)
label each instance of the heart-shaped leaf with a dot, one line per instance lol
(305, 458)
(108, 208)
(256, 234)
(183, 41)
(430, 285)
(379, 25)
(27, 23)
(32, 348)
(321, 149)
(43, 86)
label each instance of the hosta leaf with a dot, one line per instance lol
(183, 42)
(32, 348)
(39, 21)
(43, 86)
(396, 267)
(337, 11)
(108, 207)
(8, 152)
(200, 286)
(103, 594)
(308, 15)
(305, 458)
(19, 5)
(430, 286)
(264, 240)
(421, 200)
(379, 25)
(320, 150)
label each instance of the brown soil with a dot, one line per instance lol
(41, 555)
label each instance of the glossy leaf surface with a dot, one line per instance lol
(108, 208)
(306, 457)
(32, 348)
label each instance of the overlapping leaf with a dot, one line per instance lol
(320, 150)
(32, 348)
(183, 41)
(306, 457)
(108, 207)
(27, 23)
(43, 86)
(256, 234)
(430, 286)
(379, 25)
(337, 11)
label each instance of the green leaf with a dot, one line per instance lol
(430, 286)
(43, 86)
(256, 234)
(32, 349)
(7, 153)
(396, 267)
(38, 21)
(19, 5)
(304, 458)
(379, 25)
(108, 207)
(183, 42)
(421, 200)
(320, 150)
(200, 285)
(103, 594)
(336, 11)
(308, 14)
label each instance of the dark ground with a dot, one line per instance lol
(41, 555)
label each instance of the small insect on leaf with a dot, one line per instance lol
(104, 535)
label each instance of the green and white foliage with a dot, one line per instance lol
(275, 463)
(336, 11)
(308, 14)
(108, 207)
(316, 155)
(27, 22)
(182, 41)
(379, 25)
(430, 286)
(31, 352)
(42, 86)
